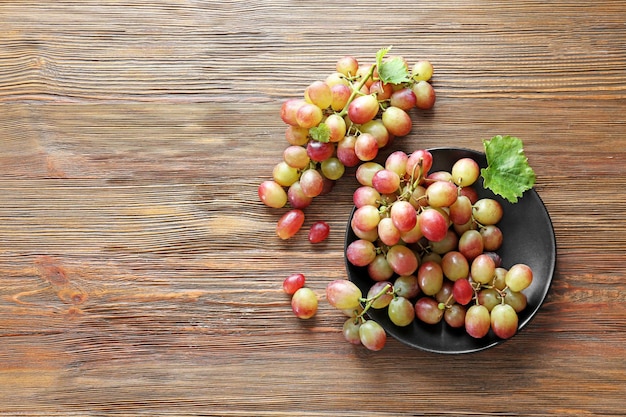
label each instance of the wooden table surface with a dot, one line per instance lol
(140, 275)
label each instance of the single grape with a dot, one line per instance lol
(362, 73)
(418, 197)
(420, 157)
(499, 278)
(519, 277)
(290, 223)
(477, 321)
(272, 194)
(379, 269)
(404, 99)
(320, 151)
(483, 269)
(304, 303)
(318, 232)
(296, 157)
(386, 181)
(462, 291)
(471, 244)
(445, 245)
(336, 78)
(365, 172)
(318, 93)
(430, 277)
(402, 260)
(309, 115)
(363, 109)
(351, 330)
(433, 225)
(346, 153)
(340, 96)
(383, 300)
(388, 233)
(361, 252)
(397, 121)
(504, 321)
(487, 211)
(296, 197)
(439, 176)
(396, 162)
(311, 182)
(425, 96)
(406, 286)
(372, 335)
(517, 300)
(332, 168)
(348, 66)
(430, 257)
(465, 172)
(461, 210)
(377, 129)
(343, 294)
(441, 194)
(297, 136)
(489, 297)
(366, 218)
(422, 70)
(427, 310)
(289, 110)
(401, 312)
(403, 215)
(454, 265)
(293, 283)
(366, 147)
(337, 126)
(366, 195)
(284, 174)
(455, 316)
(492, 237)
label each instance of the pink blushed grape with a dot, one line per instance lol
(477, 321)
(343, 294)
(372, 335)
(290, 223)
(304, 303)
(504, 321)
(318, 232)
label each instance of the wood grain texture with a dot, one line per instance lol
(139, 274)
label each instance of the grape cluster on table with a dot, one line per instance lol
(339, 122)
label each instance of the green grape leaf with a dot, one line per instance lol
(393, 70)
(320, 133)
(508, 173)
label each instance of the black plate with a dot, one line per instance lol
(528, 238)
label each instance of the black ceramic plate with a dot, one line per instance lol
(528, 238)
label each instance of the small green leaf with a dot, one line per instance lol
(508, 173)
(392, 71)
(320, 133)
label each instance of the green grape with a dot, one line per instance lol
(504, 321)
(351, 330)
(487, 211)
(401, 312)
(406, 286)
(519, 277)
(332, 168)
(343, 294)
(304, 303)
(383, 300)
(483, 269)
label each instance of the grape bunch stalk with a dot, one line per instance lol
(429, 244)
(341, 122)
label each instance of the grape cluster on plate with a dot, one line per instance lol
(341, 122)
(429, 245)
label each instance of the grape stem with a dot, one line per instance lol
(356, 90)
(370, 301)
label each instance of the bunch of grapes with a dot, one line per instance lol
(341, 122)
(429, 244)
